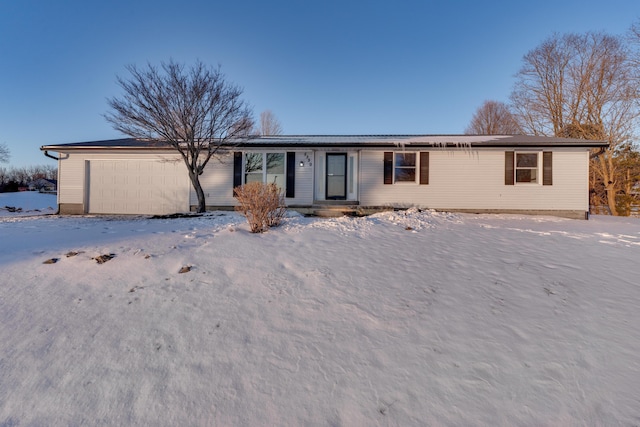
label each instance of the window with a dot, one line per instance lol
(532, 168)
(264, 167)
(275, 169)
(253, 167)
(405, 167)
(527, 167)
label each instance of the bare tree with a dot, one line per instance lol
(269, 124)
(634, 41)
(51, 171)
(493, 118)
(42, 172)
(581, 86)
(195, 111)
(4, 176)
(4, 153)
(21, 175)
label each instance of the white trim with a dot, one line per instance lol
(538, 168)
(352, 175)
(416, 167)
(264, 171)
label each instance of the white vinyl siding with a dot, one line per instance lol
(304, 180)
(71, 179)
(474, 179)
(217, 182)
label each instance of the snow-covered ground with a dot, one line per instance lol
(27, 203)
(397, 319)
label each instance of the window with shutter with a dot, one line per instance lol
(406, 167)
(528, 168)
(275, 168)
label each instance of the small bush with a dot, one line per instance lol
(262, 205)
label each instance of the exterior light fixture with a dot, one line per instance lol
(301, 164)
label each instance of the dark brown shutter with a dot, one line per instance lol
(547, 168)
(237, 170)
(508, 167)
(291, 174)
(424, 168)
(388, 167)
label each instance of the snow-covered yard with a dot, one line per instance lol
(397, 319)
(27, 203)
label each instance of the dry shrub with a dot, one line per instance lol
(262, 204)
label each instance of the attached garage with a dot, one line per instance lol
(137, 187)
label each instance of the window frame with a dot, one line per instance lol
(415, 167)
(264, 169)
(421, 167)
(537, 168)
(255, 172)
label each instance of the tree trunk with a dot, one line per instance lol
(608, 177)
(195, 181)
(611, 199)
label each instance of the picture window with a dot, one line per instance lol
(265, 167)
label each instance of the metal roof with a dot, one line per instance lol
(372, 141)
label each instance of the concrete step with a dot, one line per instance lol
(332, 211)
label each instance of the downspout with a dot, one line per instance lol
(597, 153)
(46, 153)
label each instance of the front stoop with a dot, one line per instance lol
(338, 208)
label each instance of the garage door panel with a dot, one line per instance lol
(145, 180)
(137, 187)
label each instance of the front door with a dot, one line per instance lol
(336, 176)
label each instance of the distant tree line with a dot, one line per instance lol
(584, 86)
(27, 177)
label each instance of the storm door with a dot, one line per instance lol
(336, 176)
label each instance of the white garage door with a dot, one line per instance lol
(138, 187)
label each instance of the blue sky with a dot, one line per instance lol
(323, 67)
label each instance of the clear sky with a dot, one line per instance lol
(322, 67)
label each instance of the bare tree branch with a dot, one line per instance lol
(269, 124)
(582, 86)
(5, 155)
(193, 110)
(493, 118)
